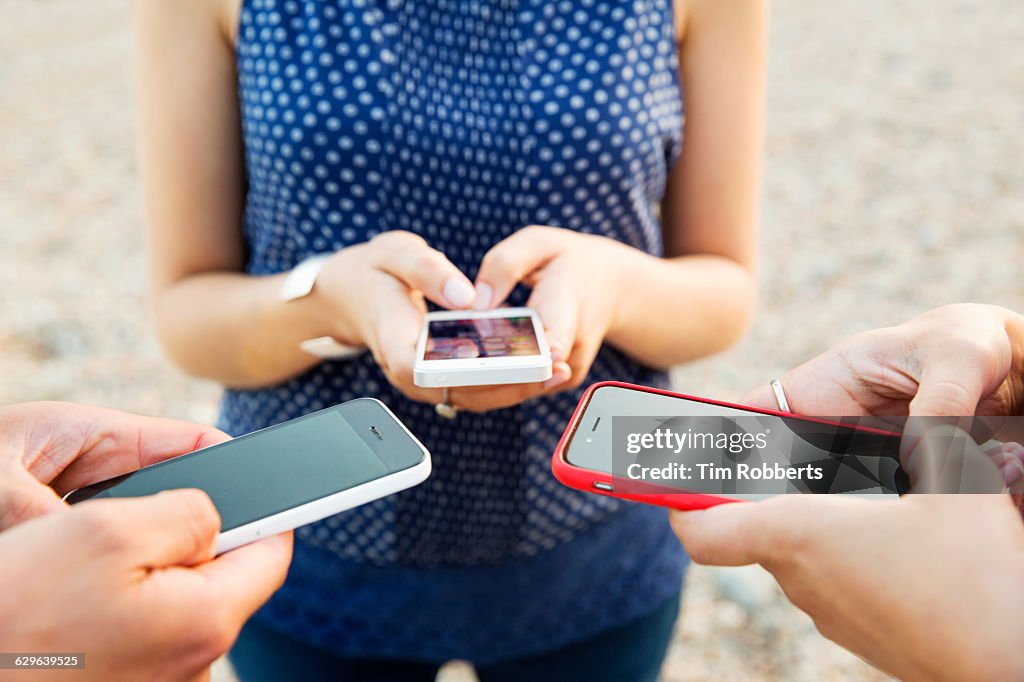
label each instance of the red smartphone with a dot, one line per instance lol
(855, 459)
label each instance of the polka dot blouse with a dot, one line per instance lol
(462, 122)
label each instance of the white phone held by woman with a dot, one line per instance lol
(480, 348)
(285, 476)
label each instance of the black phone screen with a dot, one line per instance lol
(281, 467)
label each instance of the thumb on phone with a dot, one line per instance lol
(172, 528)
(21, 501)
(511, 261)
(247, 576)
(732, 534)
(412, 261)
(941, 457)
(557, 305)
(947, 389)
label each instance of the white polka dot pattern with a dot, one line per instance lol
(460, 121)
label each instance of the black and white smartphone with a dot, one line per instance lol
(481, 348)
(288, 475)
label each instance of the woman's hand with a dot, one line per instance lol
(575, 292)
(576, 285)
(373, 295)
(956, 360)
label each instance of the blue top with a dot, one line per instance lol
(460, 121)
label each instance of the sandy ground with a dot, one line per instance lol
(893, 184)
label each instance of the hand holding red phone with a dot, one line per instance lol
(957, 360)
(927, 587)
(896, 582)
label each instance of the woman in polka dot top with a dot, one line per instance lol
(457, 154)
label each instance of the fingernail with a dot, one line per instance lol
(556, 380)
(483, 296)
(557, 353)
(1012, 472)
(458, 292)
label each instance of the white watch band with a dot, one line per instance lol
(329, 348)
(298, 284)
(301, 279)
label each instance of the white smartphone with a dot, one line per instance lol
(481, 347)
(288, 475)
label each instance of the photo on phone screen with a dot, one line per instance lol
(482, 337)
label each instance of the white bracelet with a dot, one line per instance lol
(301, 279)
(298, 284)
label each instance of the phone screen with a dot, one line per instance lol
(281, 467)
(848, 460)
(486, 337)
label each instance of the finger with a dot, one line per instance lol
(24, 500)
(1009, 457)
(509, 262)
(557, 302)
(741, 533)
(143, 443)
(486, 398)
(945, 459)
(583, 353)
(246, 577)
(173, 528)
(561, 375)
(950, 388)
(411, 260)
(821, 386)
(119, 442)
(762, 398)
(720, 536)
(395, 333)
(806, 386)
(87, 443)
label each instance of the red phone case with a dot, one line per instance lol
(584, 479)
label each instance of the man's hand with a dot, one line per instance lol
(928, 587)
(956, 360)
(69, 446)
(133, 585)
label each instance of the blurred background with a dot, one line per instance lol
(893, 183)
